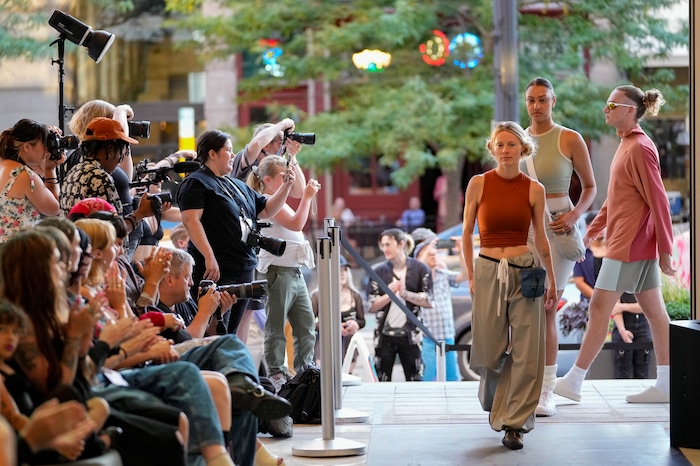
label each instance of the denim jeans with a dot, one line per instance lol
(430, 362)
(180, 384)
(228, 355)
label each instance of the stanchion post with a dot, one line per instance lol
(440, 361)
(328, 445)
(325, 330)
(341, 414)
(336, 337)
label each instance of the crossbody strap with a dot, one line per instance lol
(533, 174)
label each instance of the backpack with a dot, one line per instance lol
(304, 393)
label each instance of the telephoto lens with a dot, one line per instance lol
(255, 289)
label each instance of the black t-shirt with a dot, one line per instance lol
(223, 200)
(180, 335)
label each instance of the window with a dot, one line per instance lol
(372, 178)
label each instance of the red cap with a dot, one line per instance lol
(89, 205)
(106, 129)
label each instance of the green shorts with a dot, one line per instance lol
(631, 277)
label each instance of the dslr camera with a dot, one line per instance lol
(157, 201)
(256, 289)
(304, 138)
(56, 144)
(141, 129)
(275, 246)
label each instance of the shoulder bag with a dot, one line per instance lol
(570, 243)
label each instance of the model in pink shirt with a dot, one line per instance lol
(637, 220)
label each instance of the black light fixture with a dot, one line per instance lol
(96, 42)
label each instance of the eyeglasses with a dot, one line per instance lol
(614, 105)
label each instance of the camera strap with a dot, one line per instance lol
(246, 218)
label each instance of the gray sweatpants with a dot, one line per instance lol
(508, 349)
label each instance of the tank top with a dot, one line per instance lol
(504, 213)
(16, 213)
(553, 168)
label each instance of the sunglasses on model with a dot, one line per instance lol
(614, 105)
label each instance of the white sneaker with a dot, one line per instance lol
(562, 388)
(650, 395)
(546, 407)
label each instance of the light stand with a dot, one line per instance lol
(96, 42)
(62, 109)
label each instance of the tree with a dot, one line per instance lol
(17, 26)
(419, 115)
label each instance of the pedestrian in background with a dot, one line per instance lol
(440, 318)
(409, 279)
(352, 310)
(413, 217)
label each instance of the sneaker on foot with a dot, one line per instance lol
(546, 407)
(562, 388)
(650, 395)
(513, 439)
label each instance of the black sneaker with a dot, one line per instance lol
(513, 439)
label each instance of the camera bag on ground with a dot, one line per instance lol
(278, 428)
(304, 393)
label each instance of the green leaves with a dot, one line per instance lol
(419, 115)
(18, 24)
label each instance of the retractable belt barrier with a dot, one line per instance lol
(370, 271)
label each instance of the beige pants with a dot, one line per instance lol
(508, 349)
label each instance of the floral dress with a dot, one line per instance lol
(16, 213)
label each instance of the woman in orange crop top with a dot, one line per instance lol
(509, 329)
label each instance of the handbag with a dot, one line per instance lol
(569, 243)
(532, 282)
(532, 279)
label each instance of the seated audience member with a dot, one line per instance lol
(226, 355)
(208, 438)
(352, 310)
(52, 426)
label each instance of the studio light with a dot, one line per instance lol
(96, 42)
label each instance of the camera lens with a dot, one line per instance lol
(273, 245)
(255, 289)
(304, 138)
(141, 129)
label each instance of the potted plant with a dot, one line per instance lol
(676, 297)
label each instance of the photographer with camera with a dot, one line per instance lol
(288, 295)
(104, 146)
(270, 139)
(220, 214)
(24, 153)
(225, 354)
(161, 202)
(123, 173)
